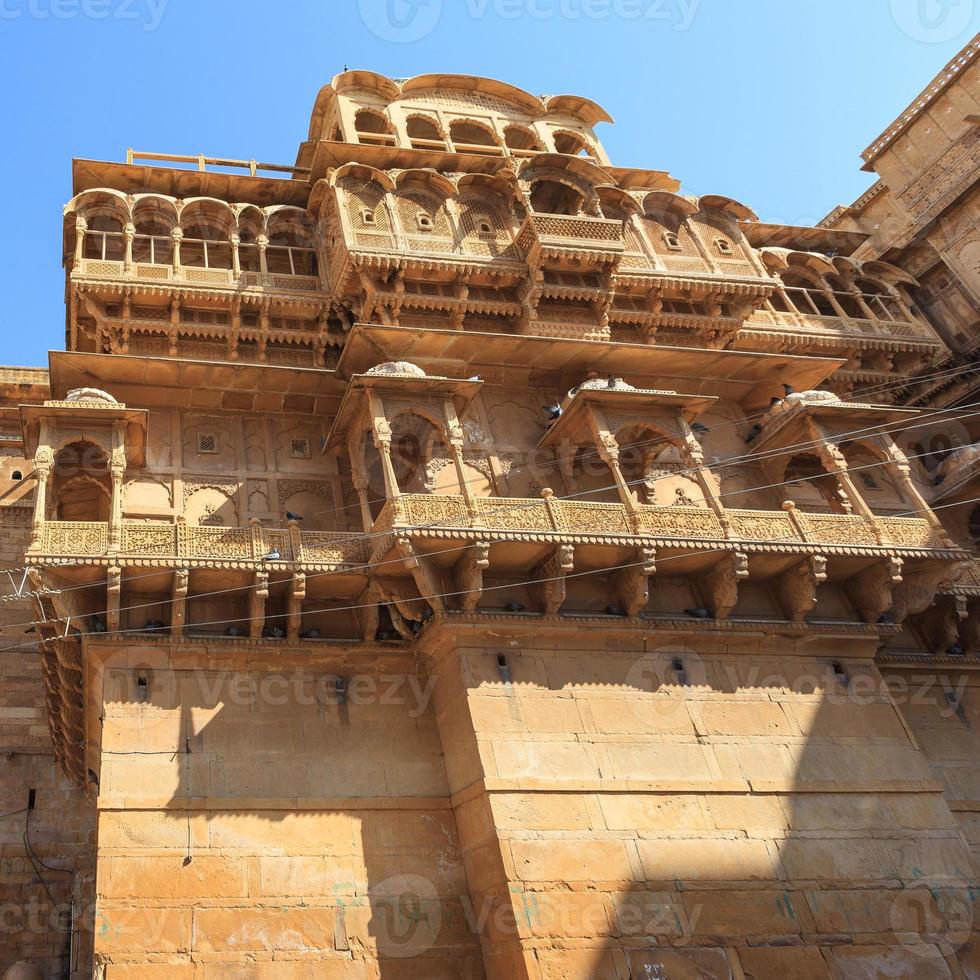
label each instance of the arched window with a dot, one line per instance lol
(290, 250)
(845, 300)
(521, 141)
(553, 197)
(573, 144)
(154, 220)
(206, 241)
(472, 137)
(423, 133)
(104, 238)
(81, 483)
(373, 128)
(806, 295)
(881, 303)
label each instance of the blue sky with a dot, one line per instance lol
(767, 101)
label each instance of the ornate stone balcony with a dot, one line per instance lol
(550, 236)
(448, 516)
(164, 545)
(157, 273)
(831, 331)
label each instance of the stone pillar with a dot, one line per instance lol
(43, 461)
(129, 233)
(262, 241)
(81, 226)
(177, 235)
(236, 264)
(117, 470)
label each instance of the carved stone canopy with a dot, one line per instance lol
(85, 415)
(632, 404)
(90, 395)
(400, 369)
(415, 388)
(795, 425)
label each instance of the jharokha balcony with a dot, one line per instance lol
(86, 542)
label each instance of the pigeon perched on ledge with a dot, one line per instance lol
(273, 632)
(753, 432)
(700, 613)
(554, 412)
(290, 516)
(614, 610)
(273, 555)
(513, 606)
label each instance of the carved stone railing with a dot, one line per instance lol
(84, 538)
(437, 513)
(575, 233)
(175, 542)
(834, 326)
(196, 275)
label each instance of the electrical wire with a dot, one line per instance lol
(594, 453)
(715, 467)
(446, 595)
(780, 452)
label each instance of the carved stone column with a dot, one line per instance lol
(43, 461)
(117, 470)
(236, 263)
(262, 241)
(81, 226)
(177, 235)
(129, 233)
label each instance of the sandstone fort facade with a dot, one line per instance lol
(454, 555)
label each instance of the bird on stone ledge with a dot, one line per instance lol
(513, 606)
(554, 412)
(700, 613)
(290, 516)
(154, 626)
(98, 624)
(788, 390)
(614, 610)
(273, 555)
(753, 432)
(310, 634)
(234, 631)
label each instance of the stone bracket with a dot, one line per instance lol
(178, 606)
(113, 595)
(632, 584)
(256, 604)
(366, 613)
(797, 587)
(917, 590)
(424, 574)
(468, 574)
(547, 579)
(942, 623)
(872, 590)
(294, 608)
(721, 583)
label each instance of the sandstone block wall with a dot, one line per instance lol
(752, 812)
(35, 915)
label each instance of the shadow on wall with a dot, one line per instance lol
(289, 821)
(719, 816)
(755, 809)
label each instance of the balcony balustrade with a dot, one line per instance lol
(563, 232)
(843, 327)
(191, 275)
(439, 515)
(66, 542)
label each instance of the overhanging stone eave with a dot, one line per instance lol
(167, 380)
(747, 377)
(179, 182)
